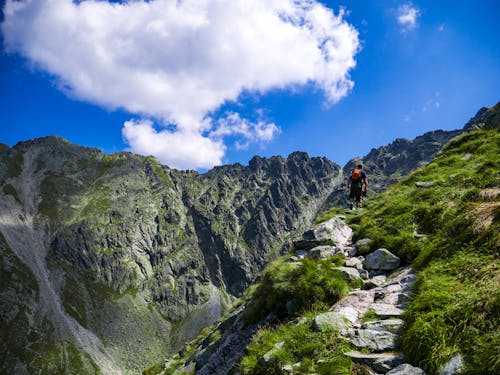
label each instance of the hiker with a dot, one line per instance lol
(357, 184)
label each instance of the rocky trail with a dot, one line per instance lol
(370, 316)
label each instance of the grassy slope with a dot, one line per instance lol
(457, 302)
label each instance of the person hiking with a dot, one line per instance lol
(357, 184)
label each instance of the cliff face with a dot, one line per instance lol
(125, 258)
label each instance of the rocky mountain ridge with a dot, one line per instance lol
(111, 261)
(127, 258)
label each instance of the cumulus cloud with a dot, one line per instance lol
(407, 16)
(178, 61)
(182, 148)
(232, 124)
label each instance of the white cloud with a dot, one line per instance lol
(232, 124)
(177, 61)
(407, 16)
(183, 149)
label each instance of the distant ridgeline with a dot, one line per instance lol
(109, 262)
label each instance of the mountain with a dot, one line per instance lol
(410, 284)
(111, 261)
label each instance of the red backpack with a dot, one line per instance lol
(356, 175)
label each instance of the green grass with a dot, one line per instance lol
(317, 352)
(370, 315)
(456, 307)
(327, 215)
(313, 284)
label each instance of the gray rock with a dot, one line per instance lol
(375, 339)
(353, 262)
(349, 273)
(424, 184)
(391, 325)
(332, 232)
(381, 260)
(323, 252)
(374, 282)
(354, 305)
(406, 369)
(350, 251)
(380, 362)
(330, 320)
(364, 274)
(467, 156)
(269, 356)
(385, 310)
(363, 245)
(455, 365)
(301, 254)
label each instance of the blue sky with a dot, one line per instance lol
(406, 68)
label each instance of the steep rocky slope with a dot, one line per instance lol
(443, 219)
(127, 259)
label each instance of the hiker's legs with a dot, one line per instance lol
(355, 197)
(358, 197)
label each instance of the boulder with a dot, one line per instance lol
(354, 262)
(406, 369)
(375, 339)
(332, 232)
(380, 362)
(381, 260)
(330, 320)
(323, 252)
(454, 366)
(349, 273)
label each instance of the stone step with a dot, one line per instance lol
(375, 339)
(391, 325)
(386, 310)
(380, 362)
